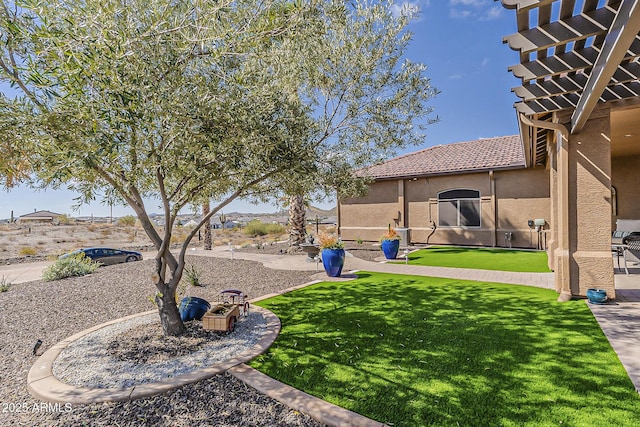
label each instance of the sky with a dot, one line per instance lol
(460, 42)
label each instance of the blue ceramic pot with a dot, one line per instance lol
(333, 261)
(597, 296)
(193, 308)
(390, 248)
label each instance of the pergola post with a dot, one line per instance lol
(589, 207)
(552, 243)
(562, 253)
(577, 60)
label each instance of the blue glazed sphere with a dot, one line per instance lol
(193, 308)
(597, 296)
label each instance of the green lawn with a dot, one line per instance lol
(481, 258)
(419, 351)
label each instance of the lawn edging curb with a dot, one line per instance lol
(42, 384)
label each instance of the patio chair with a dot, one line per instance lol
(633, 245)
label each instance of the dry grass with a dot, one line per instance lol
(53, 240)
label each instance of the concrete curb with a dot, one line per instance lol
(44, 385)
(316, 408)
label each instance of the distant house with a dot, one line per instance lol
(190, 224)
(40, 216)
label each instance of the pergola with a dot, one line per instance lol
(580, 93)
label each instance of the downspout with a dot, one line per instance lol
(494, 208)
(563, 210)
(402, 211)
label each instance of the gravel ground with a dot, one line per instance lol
(52, 311)
(136, 352)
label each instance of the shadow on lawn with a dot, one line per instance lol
(427, 351)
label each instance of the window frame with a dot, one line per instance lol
(457, 200)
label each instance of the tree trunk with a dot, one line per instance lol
(170, 315)
(207, 227)
(297, 220)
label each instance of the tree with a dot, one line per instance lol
(206, 208)
(202, 101)
(297, 220)
(368, 101)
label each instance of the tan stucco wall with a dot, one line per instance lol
(420, 216)
(625, 177)
(372, 214)
(520, 195)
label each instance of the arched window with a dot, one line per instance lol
(459, 208)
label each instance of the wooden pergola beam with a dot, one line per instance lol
(623, 32)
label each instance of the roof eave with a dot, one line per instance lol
(453, 172)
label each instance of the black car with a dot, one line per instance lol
(108, 256)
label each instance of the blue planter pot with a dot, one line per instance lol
(390, 248)
(193, 308)
(333, 261)
(597, 296)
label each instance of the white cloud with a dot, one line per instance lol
(494, 12)
(459, 14)
(478, 9)
(474, 3)
(484, 62)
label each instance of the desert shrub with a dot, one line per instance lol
(192, 275)
(74, 265)
(127, 220)
(64, 219)
(4, 284)
(275, 229)
(27, 251)
(330, 229)
(177, 238)
(105, 232)
(256, 228)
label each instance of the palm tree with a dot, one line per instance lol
(297, 219)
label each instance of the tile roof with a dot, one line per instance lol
(505, 152)
(41, 214)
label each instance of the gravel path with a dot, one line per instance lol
(52, 311)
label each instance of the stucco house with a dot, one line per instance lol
(40, 217)
(579, 121)
(475, 193)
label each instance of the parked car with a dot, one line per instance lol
(108, 256)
